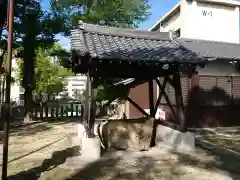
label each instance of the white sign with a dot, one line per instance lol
(160, 114)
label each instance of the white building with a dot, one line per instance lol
(76, 85)
(216, 20)
(16, 89)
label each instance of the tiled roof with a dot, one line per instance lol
(212, 49)
(129, 44)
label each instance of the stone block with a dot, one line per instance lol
(91, 149)
(130, 134)
(72, 140)
(182, 142)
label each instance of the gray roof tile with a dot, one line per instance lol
(212, 49)
(129, 44)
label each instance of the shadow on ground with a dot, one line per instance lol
(111, 167)
(146, 168)
(36, 127)
(29, 130)
(58, 158)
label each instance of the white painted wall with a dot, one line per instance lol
(173, 24)
(15, 87)
(220, 23)
(73, 82)
(76, 82)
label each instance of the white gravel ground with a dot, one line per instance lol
(54, 161)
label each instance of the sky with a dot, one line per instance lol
(158, 9)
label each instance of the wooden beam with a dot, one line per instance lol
(151, 97)
(89, 109)
(122, 69)
(86, 102)
(137, 106)
(179, 101)
(160, 94)
(93, 111)
(170, 81)
(165, 96)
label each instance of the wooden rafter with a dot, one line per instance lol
(160, 95)
(137, 106)
(165, 95)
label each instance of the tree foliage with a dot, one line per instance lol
(34, 28)
(117, 13)
(63, 55)
(49, 75)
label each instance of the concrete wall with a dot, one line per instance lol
(197, 19)
(172, 24)
(209, 21)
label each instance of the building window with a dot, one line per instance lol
(178, 33)
(76, 92)
(78, 84)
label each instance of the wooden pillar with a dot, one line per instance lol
(86, 104)
(194, 81)
(89, 106)
(179, 101)
(93, 109)
(151, 97)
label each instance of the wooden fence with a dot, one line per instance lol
(58, 111)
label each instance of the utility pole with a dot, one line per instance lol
(7, 105)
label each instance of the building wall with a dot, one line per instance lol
(15, 87)
(219, 68)
(173, 24)
(76, 84)
(209, 21)
(140, 95)
(213, 97)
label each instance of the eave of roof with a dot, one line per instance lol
(221, 2)
(112, 43)
(214, 50)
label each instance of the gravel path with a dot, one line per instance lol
(45, 155)
(158, 163)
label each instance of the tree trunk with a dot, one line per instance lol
(29, 44)
(27, 105)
